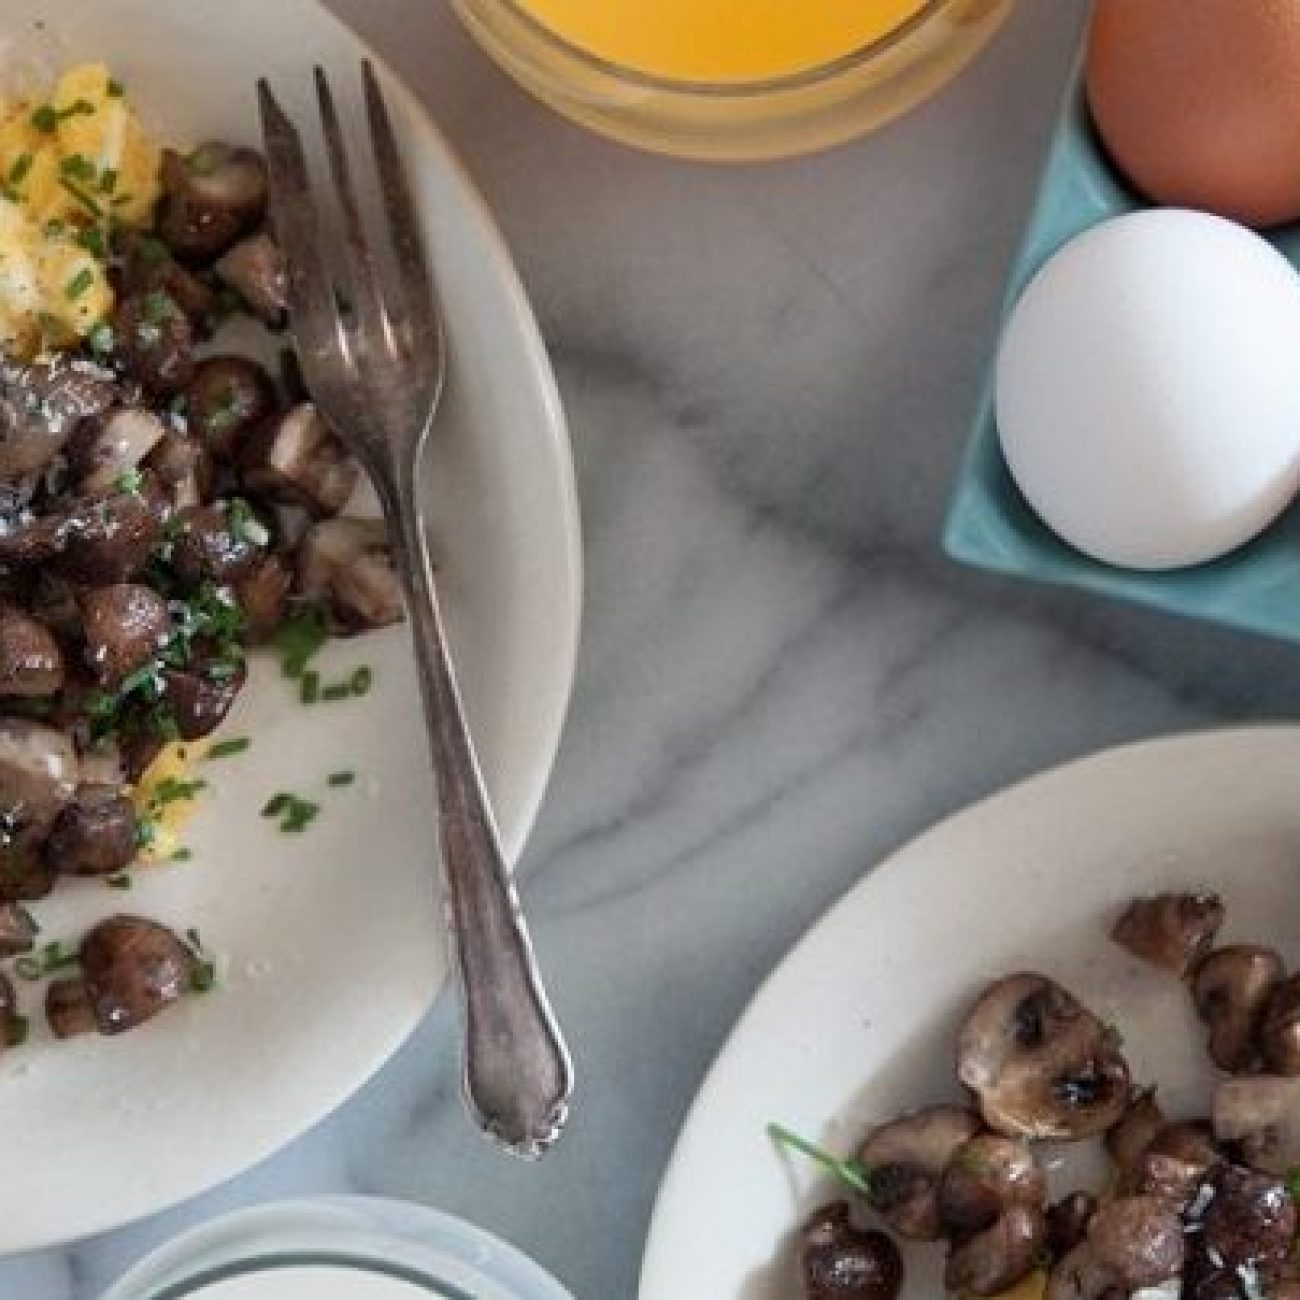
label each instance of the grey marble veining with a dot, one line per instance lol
(768, 373)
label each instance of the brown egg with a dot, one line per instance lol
(1198, 102)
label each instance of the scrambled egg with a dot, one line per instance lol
(72, 167)
(165, 798)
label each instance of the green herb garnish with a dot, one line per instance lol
(79, 284)
(294, 813)
(309, 686)
(852, 1173)
(83, 196)
(115, 88)
(47, 118)
(182, 854)
(51, 957)
(336, 691)
(224, 748)
(119, 881)
(340, 778)
(92, 240)
(361, 680)
(299, 638)
(203, 978)
(17, 1030)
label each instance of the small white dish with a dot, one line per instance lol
(859, 1022)
(330, 945)
(337, 1248)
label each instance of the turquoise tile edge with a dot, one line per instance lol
(989, 524)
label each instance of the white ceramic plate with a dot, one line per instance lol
(330, 942)
(858, 1023)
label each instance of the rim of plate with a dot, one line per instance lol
(654, 1260)
(430, 141)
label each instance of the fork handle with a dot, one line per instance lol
(518, 1075)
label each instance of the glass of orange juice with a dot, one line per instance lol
(732, 79)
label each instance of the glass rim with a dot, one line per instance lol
(738, 89)
(194, 1285)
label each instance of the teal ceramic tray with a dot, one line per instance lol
(989, 525)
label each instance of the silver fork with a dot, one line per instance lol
(371, 350)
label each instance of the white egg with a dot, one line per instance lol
(1148, 389)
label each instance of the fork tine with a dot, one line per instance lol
(362, 272)
(313, 316)
(403, 219)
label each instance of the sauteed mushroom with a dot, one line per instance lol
(155, 341)
(126, 624)
(227, 396)
(31, 662)
(1250, 1221)
(106, 449)
(297, 459)
(108, 537)
(1041, 1064)
(40, 405)
(1067, 1222)
(984, 1177)
(1231, 989)
(94, 835)
(347, 564)
(841, 1262)
(988, 1262)
(216, 543)
(1279, 1027)
(254, 268)
(1260, 1116)
(210, 198)
(1171, 931)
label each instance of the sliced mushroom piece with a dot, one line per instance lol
(255, 269)
(199, 698)
(210, 198)
(1259, 1115)
(1251, 1220)
(108, 448)
(31, 663)
(347, 564)
(1080, 1275)
(1139, 1240)
(1279, 1028)
(126, 624)
(40, 405)
(263, 596)
(133, 968)
(906, 1159)
(1171, 931)
(297, 459)
(1129, 1138)
(1040, 1064)
(109, 537)
(841, 1262)
(984, 1178)
(18, 930)
(1067, 1222)
(38, 774)
(68, 1009)
(155, 341)
(147, 263)
(210, 544)
(95, 835)
(990, 1261)
(1210, 1278)
(227, 396)
(1231, 989)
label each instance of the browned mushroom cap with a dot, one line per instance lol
(95, 835)
(210, 198)
(212, 544)
(133, 968)
(990, 1261)
(263, 595)
(1260, 1116)
(109, 537)
(1207, 1277)
(1080, 1275)
(38, 774)
(984, 1178)
(147, 263)
(40, 405)
(1279, 1028)
(31, 663)
(1138, 1240)
(1177, 1161)
(906, 1158)
(1250, 1221)
(105, 449)
(1040, 1064)
(1230, 989)
(126, 624)
(841, 1262)
(346, 563)
(200, 697)
(18, 930)
(1067, 1222)
(226, 397)
(1172, 931)
(254, 268)
(155, 341)
(1129, 1138)
(297, 459)
(68, 1007)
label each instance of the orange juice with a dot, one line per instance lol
(721, 40)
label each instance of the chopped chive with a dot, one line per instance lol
(27, 968)
(92, 240)
(145, 832)
(300, 815)
(87, 201)
(224, 748)
(361, 680)
(336, 691)
(115, 88)
(46, 118)
(853, 1173)
(182, 854)
(78, 167)
(19, 169)
(203, 978)
(108, 180)
(119, 881)
(276, 804)
(100, 338)
(309, 687)
(340, 778)
(54, 227)
(298, 639)
(172, 790)
(79, 284)
(158, 307)
(17, 1029)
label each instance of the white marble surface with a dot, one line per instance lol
(768, 372)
